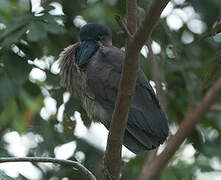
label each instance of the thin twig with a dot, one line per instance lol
(212, 70)
(75, 164)
(217, 27)
(122, 25)
(209, 34)
(191, 119)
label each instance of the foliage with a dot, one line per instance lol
(29, 36)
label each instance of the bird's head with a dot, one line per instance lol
(96, 32)
(91, 35)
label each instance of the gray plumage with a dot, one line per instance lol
(96, 82)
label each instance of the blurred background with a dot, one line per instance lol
(38, 117)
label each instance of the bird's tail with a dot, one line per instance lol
(138, 138)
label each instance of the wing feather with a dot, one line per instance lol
(147, 123)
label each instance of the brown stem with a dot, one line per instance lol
(213, 70)
(132, 15)
(122, 25)
(150, 21)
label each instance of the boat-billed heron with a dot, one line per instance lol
(91, 71)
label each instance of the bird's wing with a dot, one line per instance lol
(103, 76)
(147, 125)
(146, 103)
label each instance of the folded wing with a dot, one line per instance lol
(147, 125)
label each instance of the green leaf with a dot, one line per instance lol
(53, 28)
(36, 32)
(75, 105)
(17, 68)
(7, 90)
(52, 79)
(14, 38)
(57, 94)
(32, 88)
(29, 101)
(71, 106)
(14, 25)
(14, 114)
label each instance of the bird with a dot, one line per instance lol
(91, 71)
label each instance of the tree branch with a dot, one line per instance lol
(127, 86)
(75, 164)
(132, 15)
(122, 25)
(212, 70)
(191, 119)
(150, 21)
(213, 32)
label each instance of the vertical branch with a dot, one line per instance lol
(113, 155)
(126, 89)
(151, 156)
(150, 21)
(131, 20)
(132, 15)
